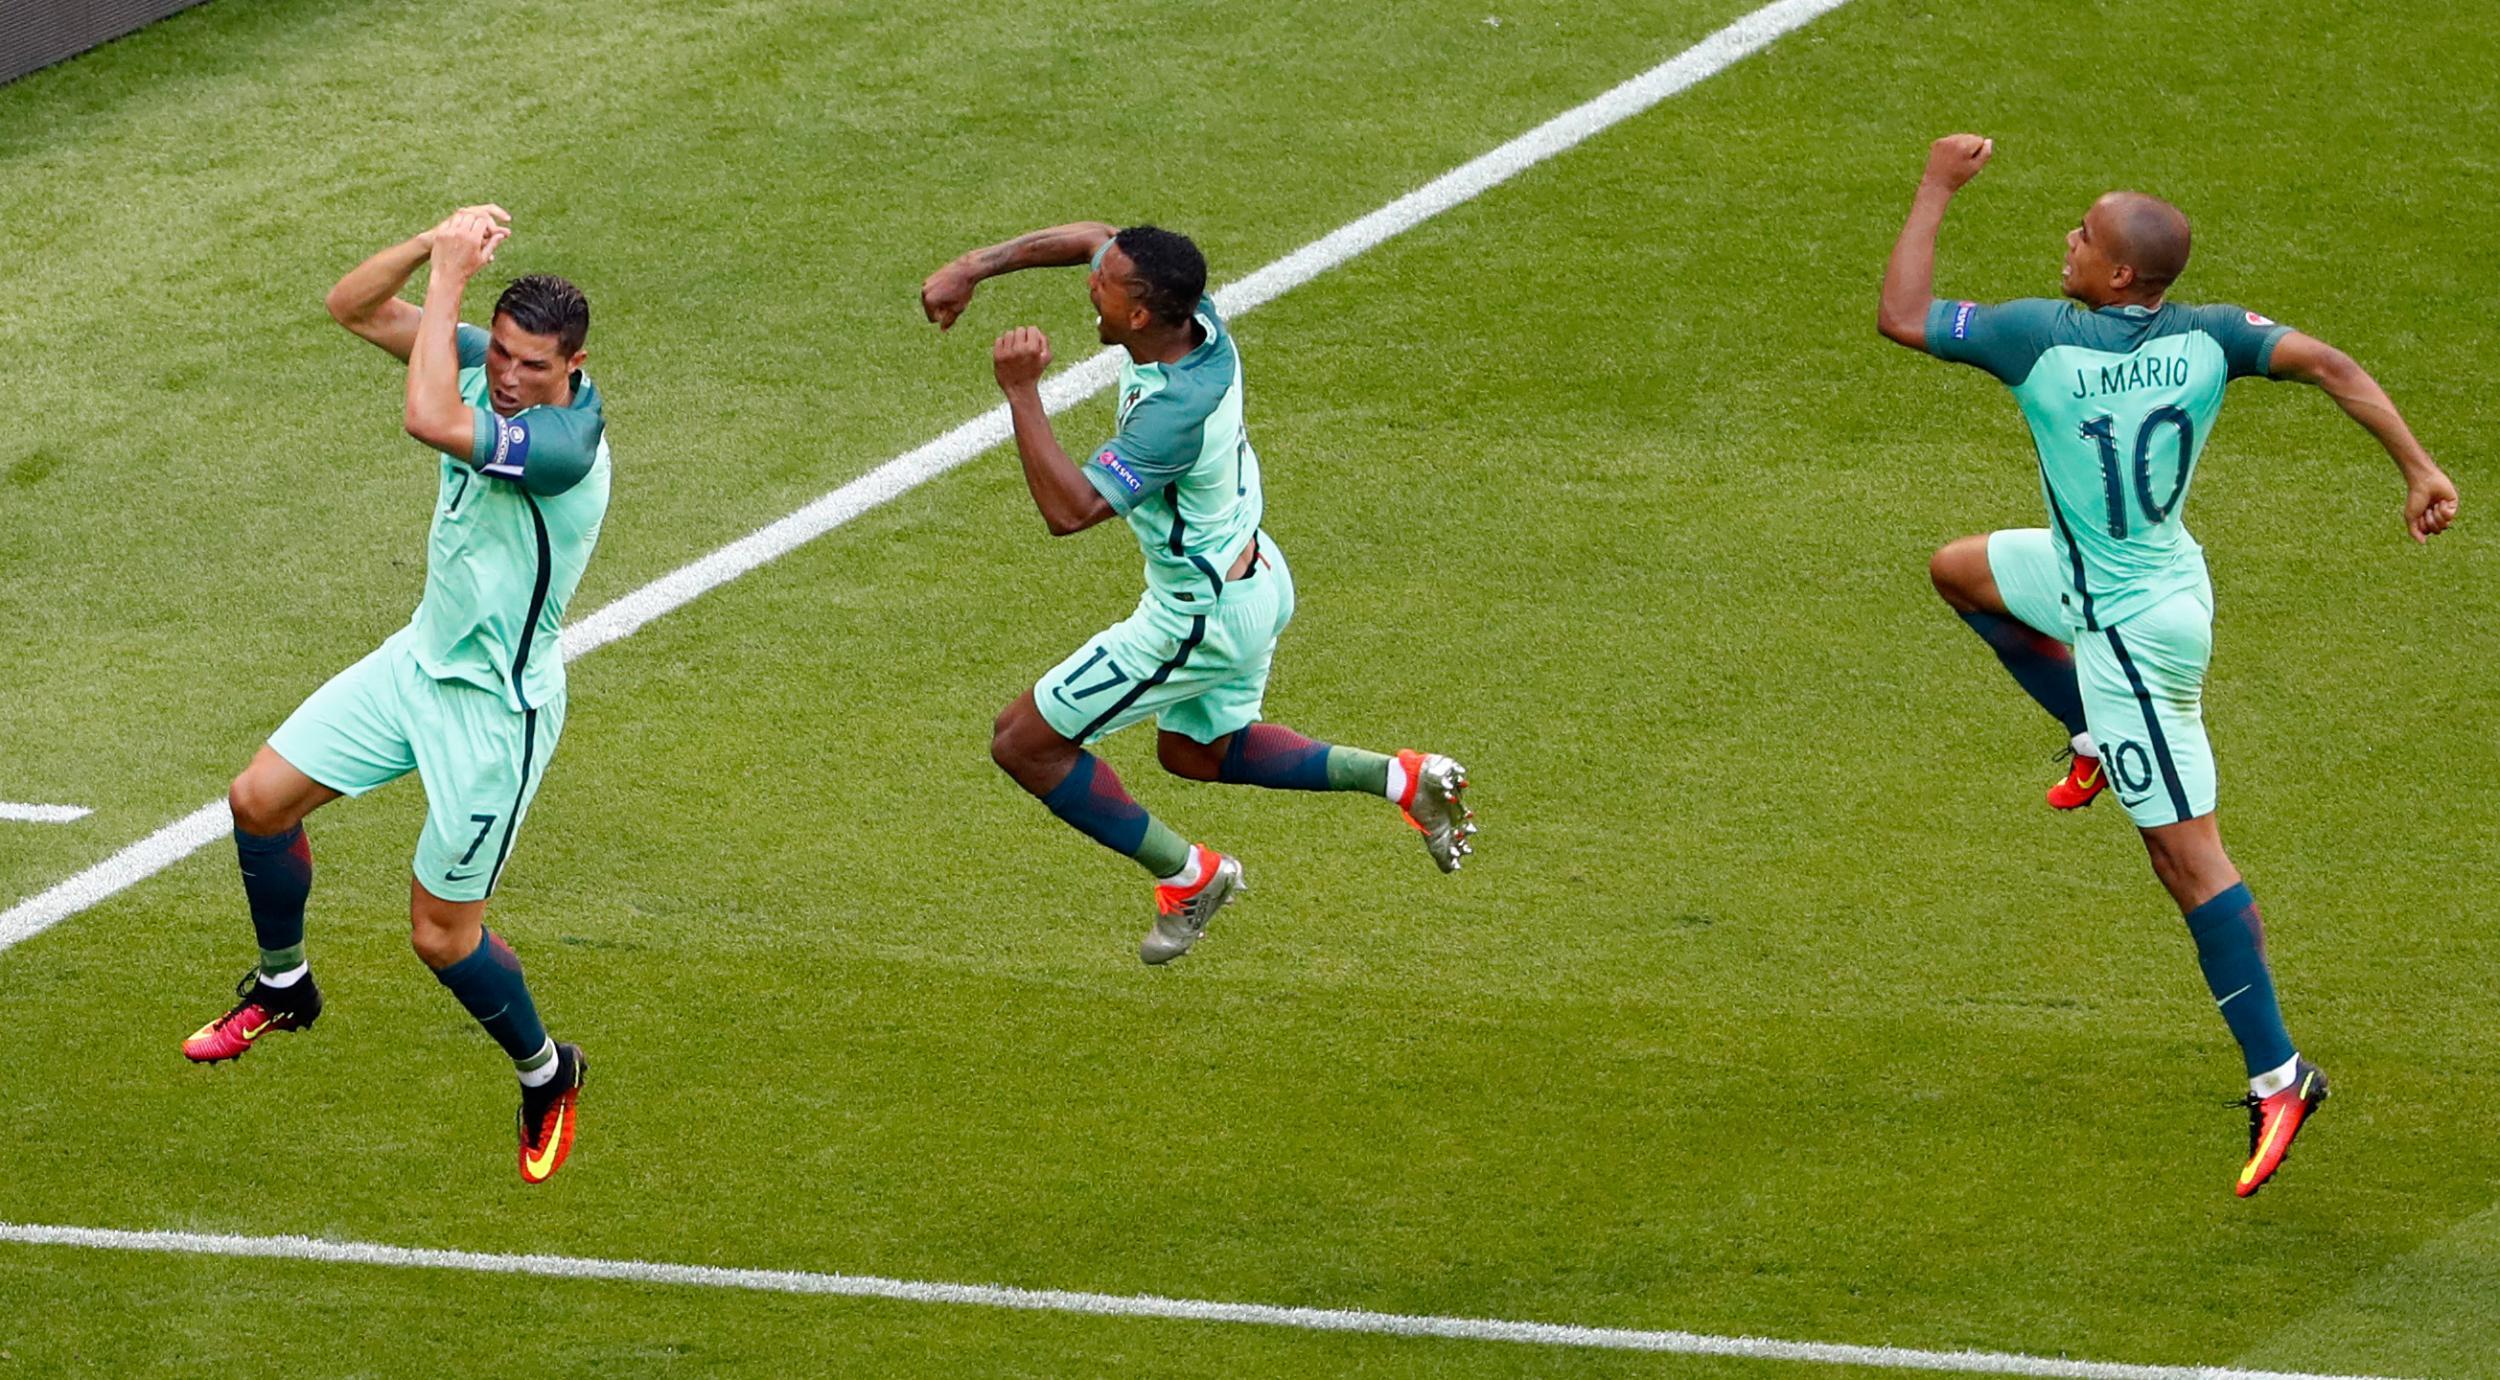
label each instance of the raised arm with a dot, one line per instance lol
(367, 300)
(2430, 498)
(1068, 502)
(1910, 275)
(436, 413)
(948, 291)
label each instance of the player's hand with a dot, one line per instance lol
(488, 209)
(466, 241)
(2430, 505)
(1020, 356)
(1955, 159)
(945, 294)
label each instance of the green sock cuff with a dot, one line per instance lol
(1162, 852)
(1353, 769)
(276, 961)
(546, 1055)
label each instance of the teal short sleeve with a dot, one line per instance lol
(2005, 339)
(471, 342)
(545, 450)
(1156, 445)
(2247, 339)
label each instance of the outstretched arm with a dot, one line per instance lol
(1068, 502)
(1910, 276)
(436, 414)
(2430, 498)
(367, 300)
(948, 291)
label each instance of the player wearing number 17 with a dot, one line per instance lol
(2106, 616)
(1195, 653)
(470, 695)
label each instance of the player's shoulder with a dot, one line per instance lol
(2217, 318)
(1965, 318)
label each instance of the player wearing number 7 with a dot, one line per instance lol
(1195, 654)
(2106, 616)
(470, 695)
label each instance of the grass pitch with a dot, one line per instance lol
(1772, 1004)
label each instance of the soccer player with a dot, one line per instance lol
(1196, 652)
(2106, 616)
(470, 695)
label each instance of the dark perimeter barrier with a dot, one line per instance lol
(38, 33)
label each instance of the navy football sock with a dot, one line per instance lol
(488, 982)
(1092, 800)
(277, 877)
(2230, 949)
(2043, 666)
(1278, 758)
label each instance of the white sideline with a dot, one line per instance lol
(1127, 1305)
(898, 476)
(42, 814)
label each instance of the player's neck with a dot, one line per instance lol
(1169, 346)
(2122, 300)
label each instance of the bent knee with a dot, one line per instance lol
(1182, 757)
(1959, 570)
(438, 946)
(255, 808)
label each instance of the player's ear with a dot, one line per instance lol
(574, 365)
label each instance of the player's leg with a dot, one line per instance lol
(2005, 586)
(1150, 661)
(2143, 689)
(1081, 789)
(1217, 736)
(482, 765)
(268, 802)
(1191, 882)
(344, 739)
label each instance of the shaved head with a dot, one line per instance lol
(2144, 233)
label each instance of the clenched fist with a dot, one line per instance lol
(1955, 159)
(1020, 356)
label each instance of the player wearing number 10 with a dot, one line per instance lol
(2106, 616)
(470, 695)
(1195, 654)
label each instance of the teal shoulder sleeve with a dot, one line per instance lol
(471, 341)
(1157, 444)
(2005, 339)
(2247, 339)
(545, 450)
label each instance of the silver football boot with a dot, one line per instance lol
(1439, 808)
(1180, 920)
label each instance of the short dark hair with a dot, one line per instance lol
(544, 304)
(1170, 270)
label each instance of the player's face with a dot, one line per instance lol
(2088, 275)
(1116, 309)
(525, 370)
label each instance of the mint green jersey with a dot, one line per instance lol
(1181, 469)
(2120, 402)
(514, 524)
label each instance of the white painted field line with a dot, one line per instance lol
(1127, 1305)
(13, 812)
(909, 471)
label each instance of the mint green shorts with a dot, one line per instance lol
(2143, 680)
(384, 717)
(1201, 675)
